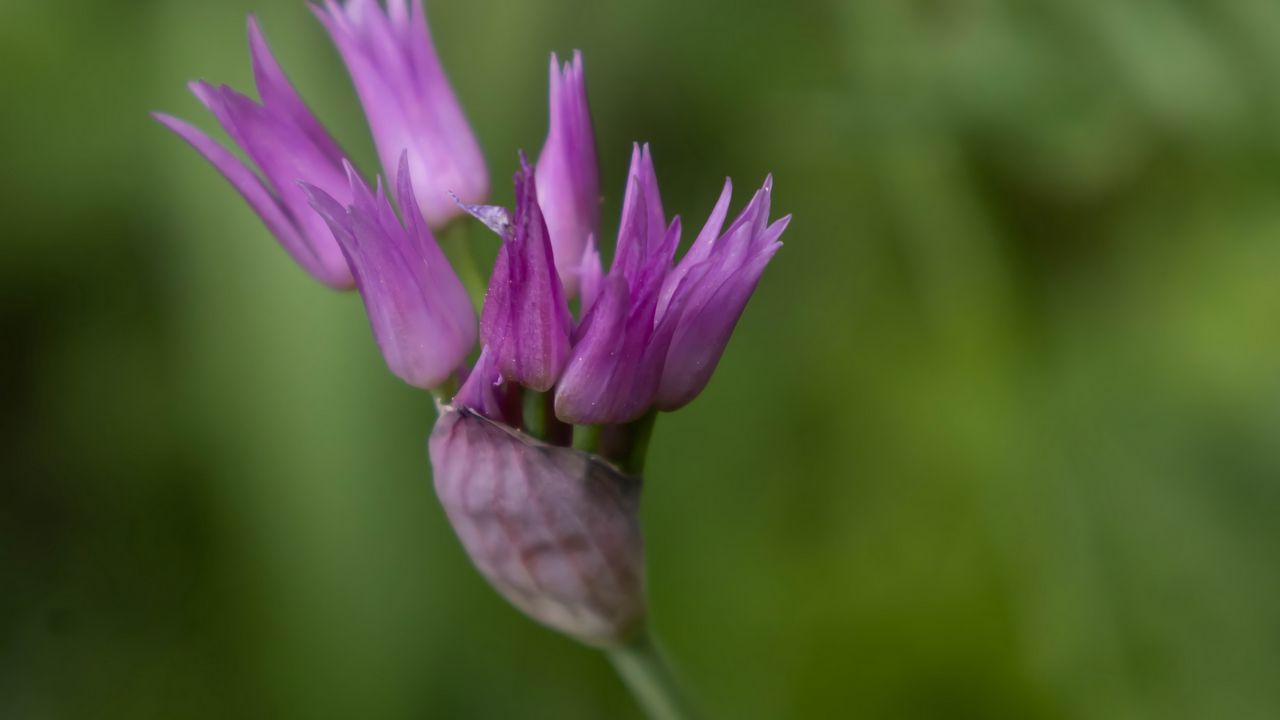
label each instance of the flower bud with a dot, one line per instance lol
(554, 530)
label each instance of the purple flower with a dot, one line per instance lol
(553, 529)
(568, 179)
(703, 297)
(286, 143)
(525, 323)
(420, 313)
(408, 101)
(617, 357)
(655, 333)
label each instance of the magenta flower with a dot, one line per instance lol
(704, 296)
(651, 333)
(420, 313)
(525, 323)
(568, 179)
(655, 333)
(408, 101)
(286, 144)
(553, 528)
(617, 357)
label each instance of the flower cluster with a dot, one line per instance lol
(647, 334)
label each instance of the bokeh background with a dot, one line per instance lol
(999, 436)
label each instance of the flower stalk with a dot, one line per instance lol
(644, 670)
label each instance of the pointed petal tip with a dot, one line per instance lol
(404, 181)
(320, 12)
(312, 191)
(259, 50)
(188, 132)
(726, 191)
(352, 176)
(165, 119)
(204, 92)
(779, 225)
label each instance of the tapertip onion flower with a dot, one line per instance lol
(420, 313)
(285, 143)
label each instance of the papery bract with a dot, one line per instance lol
(553, 529)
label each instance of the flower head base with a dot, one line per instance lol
(420, 313)
(287, 144)
(408, 101)
(568, 177)
(553, 529)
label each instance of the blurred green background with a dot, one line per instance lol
(999, 436)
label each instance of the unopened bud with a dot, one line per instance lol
(554, 530)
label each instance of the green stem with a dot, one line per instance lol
(445, 391)
(649, 678)
(535, 414)
(626, 445)
(587, 438)
(455, 241)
